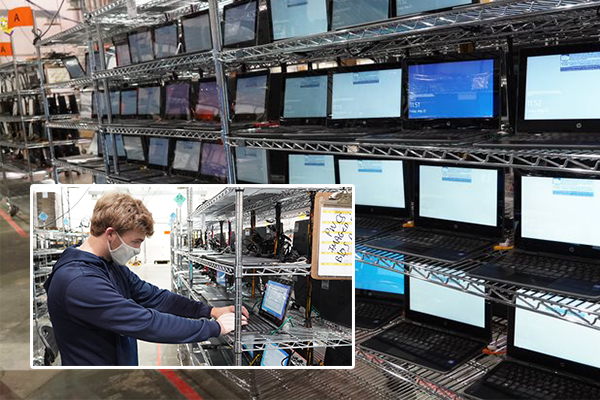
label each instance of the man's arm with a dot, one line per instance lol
(92, 299)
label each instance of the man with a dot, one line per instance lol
(99, 307)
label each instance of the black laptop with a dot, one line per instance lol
(383, 200)
(458, 214)
(557, 99)
(547, 357)
(557, 240)
(136, 167)
(443, 327)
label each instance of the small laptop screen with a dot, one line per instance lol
(165, 41)
(213, 161)
(158, 152)
(468, 195)
(134, 149)
(207, 105)
(187, 156)
(379, 183)
(240, 23)
(311, 169)
(177, 99)
(569, 339)
(251, 96)
(129, 102)
(357, 12)
(115, 99)
(305, 97)
(459, 89)
(140, 47)
(221, 278)
(120, 145)
(561, 210)
(367, 94)
(293, 18)
(406, 7)
(446, 302)
(372, 278)
(149, 101)
(196, 33)
(276, 298)
(252, 165)
(73, 67)
(273, 356)
(123, 56)
(563, 86)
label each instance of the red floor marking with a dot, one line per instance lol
(158, 361)
(13, 224)
(185, 389)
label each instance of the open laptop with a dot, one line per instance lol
(459, 214)
(453, 99)
(557, 240)
(443, 327)
(382, 193)
(135, 169)
(557, 98)
(73, 67)
(547, 357)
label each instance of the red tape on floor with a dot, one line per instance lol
(13, 224)
(183, 388)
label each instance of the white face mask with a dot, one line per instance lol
(123, 253)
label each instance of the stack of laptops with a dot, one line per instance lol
(443, 327)
(557, 98)
(557, 239)
(547, 357)
(458, 214)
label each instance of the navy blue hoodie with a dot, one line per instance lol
(98, 309)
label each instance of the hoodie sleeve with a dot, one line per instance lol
(150, 296)
(93, 300)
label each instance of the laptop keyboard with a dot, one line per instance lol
(532, 383)
(552, 268)
(374, 223)
(431, 239)
(376, 311)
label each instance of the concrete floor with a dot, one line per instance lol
(18, 381)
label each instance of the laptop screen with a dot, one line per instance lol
(379, 183)
(213, 161)
(140, 46)
(149, 101)
(123, 56)
(273, 356)
(276, 299)
(346, 13)
(120, 145)
(311, 169)
(128, 102)
(73, 67)
(561, 210)
(251, 97)
(468, 195)
(158, 151)
(569, 340)
(447, 90)
(177, 100)
(445, 302)
(133, 147)
(221, 278)
(407, 7)
(293, 18)
(187, 156)
(252, 165)
(240, 23)
(166, 40)
(367, 94)
(305, 97)
(196, 33)
(115, 99)
(372, 278)
(207, 103)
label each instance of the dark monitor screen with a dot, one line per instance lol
(177, 100)
(123, 56)
(251, 98)
(446, 90)
(292, 18)
(134, 148)
(140, 46)
(407, 7)
(240, 23)
(166, 40)
(187, 156)
(305, 97)
(196, 33)
(368, 94)
(214, 161)
(149, 101)
(73, 67)
(120, 145)
(158, 151)
(345, 13)
(311, 169)
(208, 107)
(128, 102)
(252, 165)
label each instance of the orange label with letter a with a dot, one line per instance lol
(5, 49)
(22, 16)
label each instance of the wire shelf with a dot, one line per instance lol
(275, 269)
(83, 125)
(79, 168)
(40, 145)
(188, 132)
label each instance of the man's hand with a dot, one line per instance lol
(227, 322)
(216, 312)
